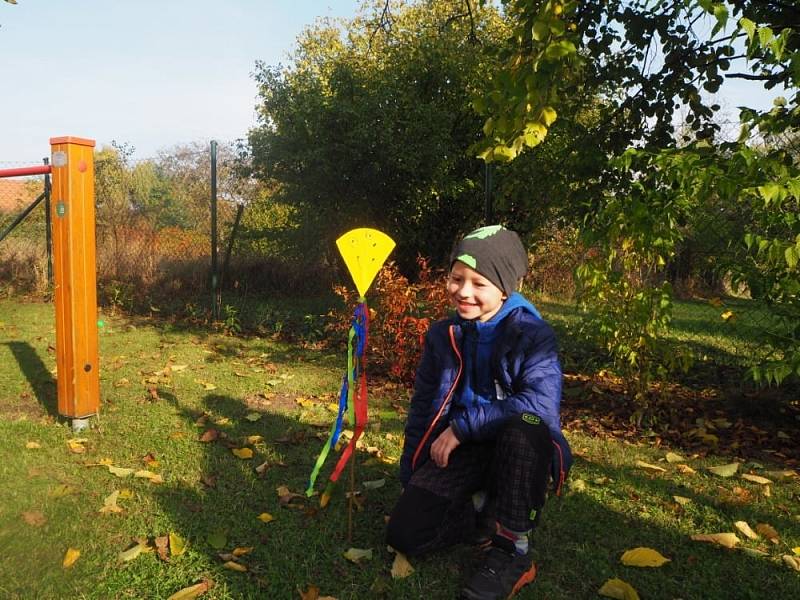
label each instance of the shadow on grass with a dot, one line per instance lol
(37, 374)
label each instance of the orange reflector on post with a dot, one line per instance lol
(75, 278)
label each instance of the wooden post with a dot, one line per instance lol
(75, 277)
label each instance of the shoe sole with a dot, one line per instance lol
(527, 577)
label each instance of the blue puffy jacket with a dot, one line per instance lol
(524, 365)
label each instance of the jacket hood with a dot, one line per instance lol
(514, 301)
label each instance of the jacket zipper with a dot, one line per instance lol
(446, 399)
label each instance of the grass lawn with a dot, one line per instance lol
(163, 386)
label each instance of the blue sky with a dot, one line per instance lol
(152, 74)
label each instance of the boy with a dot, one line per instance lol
(483, 434)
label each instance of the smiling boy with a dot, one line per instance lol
(483, 436)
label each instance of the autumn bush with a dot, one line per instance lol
(400, 313)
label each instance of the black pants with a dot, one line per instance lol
(434, 510)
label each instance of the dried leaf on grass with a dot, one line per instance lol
(209, 435)
(728, 540)
(153, 477)
(134, 551)
(110, 504)
(643, 557)
(728, 470)
(191, 592)
(242, 453)
(744, 528)
(356, 555)
(70, 557)
(241, 551)
(120, 471)
(177, 545)
(756, 479)
(618, 589)
(32, 445)
(672, 457)
(253, 416)
(374, 485)
(234, 566)
(792, 561)
(265, 517)
(34, 517)
(286, 497)
(682, 500)
(312, 593)
(648, 467)
(686, 470)
(401, 568)
(162, 547)
(768, 531)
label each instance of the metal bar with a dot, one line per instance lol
(214, 275)
(227, 261)
(23, 171)
(48, 228)
(21, 217)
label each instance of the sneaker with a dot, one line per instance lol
(503, 572)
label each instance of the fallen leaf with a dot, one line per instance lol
(374, 485)
(756, 479)
(755, 552)
(674, 458)
(119, 471)
(618, 589)
(358, 554)
(149, 459)
(683, 501)
(209, 435)
(191, 592)
(643, 557)
(728, 470)
(133, 552)
(110, 504)
(34, 517)
(686, 470)
(784, 474)
(253, 416)
(577, 485)
(728, 540)
(647, 466)
(76, 447)
(176, 368)
(70, 557)
(792, 561)
(32, 445)
(744, 528)
(177, 545)
(285, 496)
(796, 550)
(122, 382)
(311, 593)
(209, 480)
(243, 453)
(401, 568)
(241, 551)
(125, 494)
(234, 566)
(727, 315)
(262, 468)
(162, 544)
(265, 517)
(768, 531)
(153, 477)
(254, 439)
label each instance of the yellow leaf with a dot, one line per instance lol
(177, 545)
(32, 445)
(785, 474)
(358, 554)
(70, 557)
(305, 402)
(254, 439)
(265, 517)
(119, 471)
(768, 531)
(110, 503)
(401, 568)
(253, 416)
(756, 479)
(132, 552)
(153, 477)
(674, 458)
(243, 453)
(683, 501)
(618, 589)
(191, 592)
(725, 470)
(727, 315)
(125, 494)
(76, 446)
(643, 557)
(792, 561)
(686, 469)
(728, 540)
(240, 551)
(234, 566)
(796, 550)
(744, 528)
(649, 467)
(176, 368)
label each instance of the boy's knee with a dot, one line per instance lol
(401, 537)
(529, 429)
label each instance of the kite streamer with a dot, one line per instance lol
(364, 252)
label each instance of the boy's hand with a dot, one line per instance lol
(443, 446)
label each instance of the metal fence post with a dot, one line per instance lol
(48, 232)
(214, 276)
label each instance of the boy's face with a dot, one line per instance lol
(472, 295)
